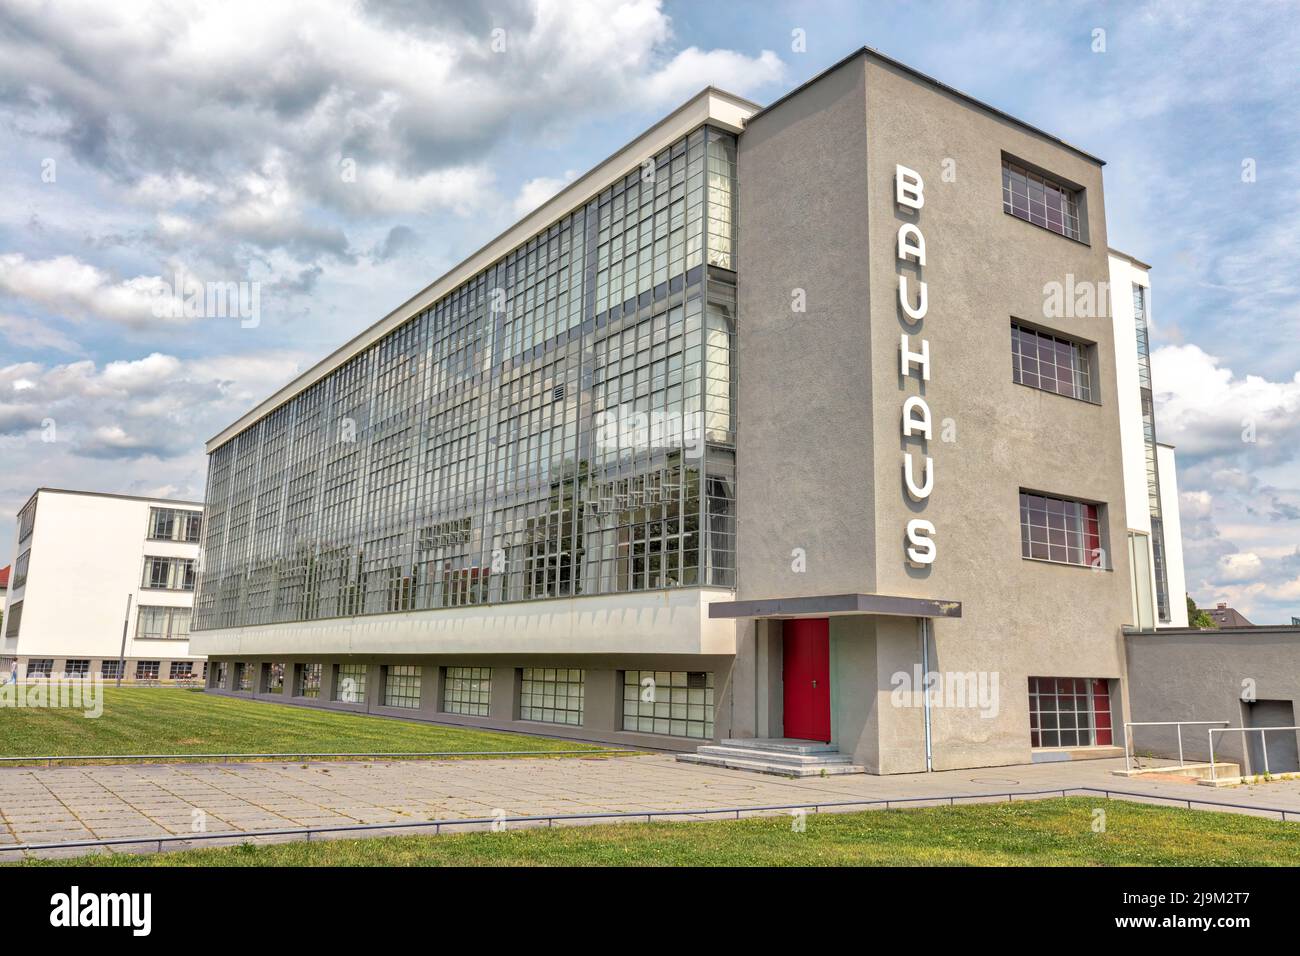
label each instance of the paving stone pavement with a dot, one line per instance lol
(40, 805)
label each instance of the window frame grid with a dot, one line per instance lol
(403, 685)
(479, 412)
(1069, 362)
(1096, 720)
(552, 695)
(675, 709)
(1034, 197)
(1070, 531)
(467, 691)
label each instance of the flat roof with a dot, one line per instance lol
(711, 105)
(1133, 259)
(110, 494)
(829, 605)
(874, 54)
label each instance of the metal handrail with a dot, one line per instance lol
(1263, 742)
(1128, 737)
(50, 758)
(647, 815)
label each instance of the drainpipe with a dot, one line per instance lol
(925, 690)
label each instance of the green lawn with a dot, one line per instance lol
(1055, 832)
(172, 721)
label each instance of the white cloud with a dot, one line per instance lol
(1207, 411)
(536, 191)
(1239, 567)
(692, 69)
(1195, 504)
(159, 406)
(64, 284)
(175, 98)
(27, 333)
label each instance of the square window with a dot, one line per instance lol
(1069, 712)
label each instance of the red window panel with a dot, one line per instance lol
(1091, 534)
(1101, 708)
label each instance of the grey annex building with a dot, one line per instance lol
(751, 432)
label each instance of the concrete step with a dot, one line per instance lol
(773, 756)
(780, 745)
(1198, 771)
(765, 766)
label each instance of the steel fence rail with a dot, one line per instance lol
(1128, 735)
(246, 836)
(1263, 743)
(51, 758)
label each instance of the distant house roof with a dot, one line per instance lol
(4, 577)
(1224, 616)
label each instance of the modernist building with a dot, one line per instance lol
(737, 436)
(103, 584)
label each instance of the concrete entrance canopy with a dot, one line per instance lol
(828, 605)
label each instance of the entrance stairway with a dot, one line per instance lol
(778, 755)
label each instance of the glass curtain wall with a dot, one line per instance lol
(562, 423)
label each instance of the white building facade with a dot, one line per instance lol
(1150, 482)
(85, 563)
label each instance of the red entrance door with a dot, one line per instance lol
(807, 678)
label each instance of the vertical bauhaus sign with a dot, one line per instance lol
(914, 364)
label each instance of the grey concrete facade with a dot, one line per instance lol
(1246, 677)
(819, 450)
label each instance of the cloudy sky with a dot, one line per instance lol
(343, 156)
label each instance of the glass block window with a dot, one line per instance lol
(402, 686)
(551, 695)
(76, 667)
(1050, 363)
(1038, 199)
(1059, 529)
(243, 677)
(147, 670)
(350, 688)
(40, 666)
(309, 680)
(274, 673)
(111, 670)
(678, 703)
(180, 670)
(467, 690)
(1069, 712)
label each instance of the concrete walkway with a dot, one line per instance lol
(39, 805)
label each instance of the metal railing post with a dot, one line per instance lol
(1128, 745)
(1214, 771)
(1263, 745)
(1180, 746)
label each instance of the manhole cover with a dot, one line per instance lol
(1002, 781)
